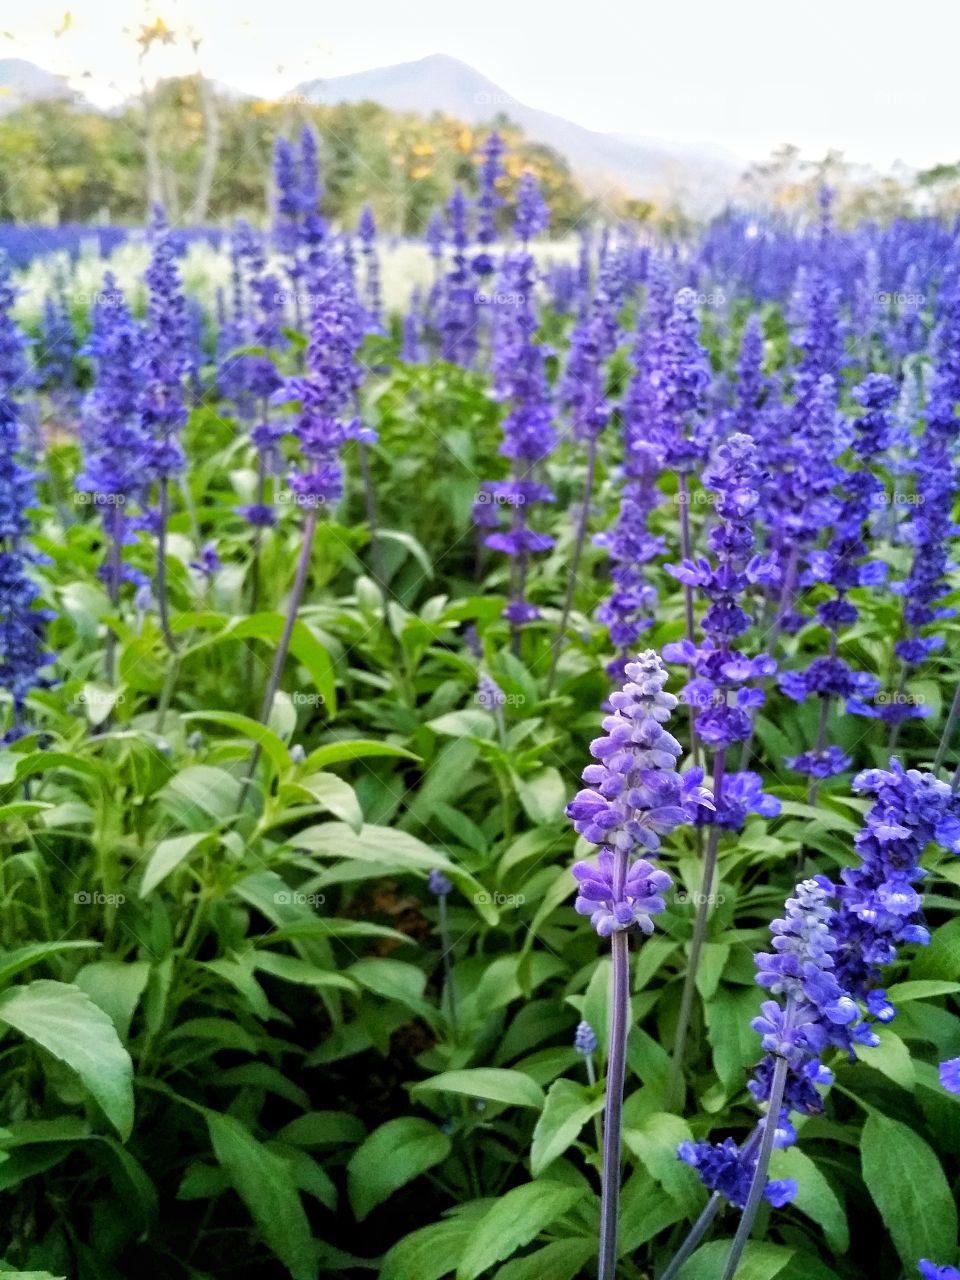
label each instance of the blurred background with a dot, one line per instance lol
(660, 114)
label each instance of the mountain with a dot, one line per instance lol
(22, 82)
(696, 175)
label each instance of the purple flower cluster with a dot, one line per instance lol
(326, 393)
(932, 526)
(22, 626)
(629, 610)
(720, 691)
(165, 360)
(519, 364)
(829, 951)
(635, 796)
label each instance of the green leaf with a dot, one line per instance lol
(515, 1220)
(116, 986)
(266, 1185)
(543, 795)
(64, 1020)
(903, 992)
(273, 746)
(815, 1197)
(200, 792)
(493, 1083)
(14, 962)
(394, 980)
(909, 1188)
(735, 1043)
(322, 1129)
(654, 1142)
(559, 1260)
(891, 1057)
(568, 1108)
(304, 646)
(169, 854)
(429, 1253)
(337, 796)
(760, 1261)
(356, 749)
(392, 1156)
(941, 959)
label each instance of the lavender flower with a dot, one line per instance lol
(488, 202)
(634, 798)
(719, 689)
(528, 434)
(950, 1075)
(533, 213)
(367, 234)
(585, 1039)
(438, 884)
(22, 626)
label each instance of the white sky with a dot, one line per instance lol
(875, 79)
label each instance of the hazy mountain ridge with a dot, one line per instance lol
(697, 175)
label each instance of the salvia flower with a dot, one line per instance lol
(367, 234)
(326, 395)
(533, 212)
(165, 355)
(950, 1075)
(585, 1039)
(438, 884)
(720, 690)
(634, 797)
(519, 363)
(22, 626)
(488, 202)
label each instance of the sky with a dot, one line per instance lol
(874, 79)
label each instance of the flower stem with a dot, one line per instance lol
(616, 1072)
(162, 598)
(944, 746)
(757, 1186)
(686, 549)
(448, 964)
(675, 1077)
(574, 561)
(280, 657)
(697, 1232)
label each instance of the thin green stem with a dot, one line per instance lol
(616, 1073)
(758, 1185)
(704, 900)
(578, 545)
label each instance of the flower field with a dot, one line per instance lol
(480, 740)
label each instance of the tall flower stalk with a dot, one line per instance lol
(720, 694)
(635, 796)
(162, 409)
(22, 626)
(113, 438)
